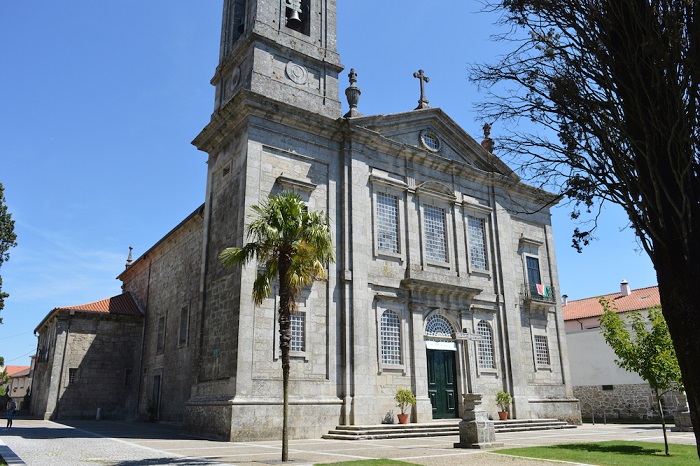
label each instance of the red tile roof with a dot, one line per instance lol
(643, 298)
(122, 305)
(21, 373)
(14, 370)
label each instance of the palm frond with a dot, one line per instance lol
(283, 227)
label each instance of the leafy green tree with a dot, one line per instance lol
(7, 240)
(294, 247)
(610, 91)
(647, 350)
(4, 379)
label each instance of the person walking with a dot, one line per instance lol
(11, 407)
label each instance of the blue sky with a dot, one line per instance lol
(100, 101)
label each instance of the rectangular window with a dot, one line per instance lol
(21, 383)
(435, 238)
(541, 350)
(127, 377)
(533, 270)
(72, 375)
(477, 242)
(390, 330)
(298, 324)
(160, 342)
(387, 223)
(484, 346)
(184, 326)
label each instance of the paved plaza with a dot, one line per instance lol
(41, 443)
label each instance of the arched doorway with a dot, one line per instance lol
(442, 369)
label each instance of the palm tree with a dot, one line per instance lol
(294, 246)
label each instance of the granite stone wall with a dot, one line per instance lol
(165, 282)
(622, 402)
(94, 366)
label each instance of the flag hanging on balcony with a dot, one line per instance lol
(540, 289)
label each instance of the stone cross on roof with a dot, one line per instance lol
(422, 102)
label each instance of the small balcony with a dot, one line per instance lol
(539, 293)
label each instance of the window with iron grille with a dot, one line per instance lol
(390, 338)
(298, 324)
(541, 350)
(72, 375)
(485, 345)
(387, 223)
(435, 238)
(439, 326)
(477, 242)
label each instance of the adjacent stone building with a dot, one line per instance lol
(604, 389)
(88, 360)
(445, 280)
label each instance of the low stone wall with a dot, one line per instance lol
(622, 402)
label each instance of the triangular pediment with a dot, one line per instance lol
(433, 131)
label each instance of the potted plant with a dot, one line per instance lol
(404, 398)
(503, 400)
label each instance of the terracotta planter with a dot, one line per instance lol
(503, 415)
(403, 418)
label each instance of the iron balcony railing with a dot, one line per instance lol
(540, 293)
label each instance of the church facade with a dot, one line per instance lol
(445, 278)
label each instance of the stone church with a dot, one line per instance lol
(445, 281)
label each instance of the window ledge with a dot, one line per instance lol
(392, 368)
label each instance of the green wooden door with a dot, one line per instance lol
(442, 386)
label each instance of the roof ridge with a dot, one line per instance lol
(611, 294)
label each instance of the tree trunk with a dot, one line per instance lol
(285, 337)
(663, 419)
(286, 304)
(679, 279)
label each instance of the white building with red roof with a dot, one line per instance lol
(604, 389)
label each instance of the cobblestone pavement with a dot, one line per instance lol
(38, 442)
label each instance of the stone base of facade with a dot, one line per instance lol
(249, 419)
(563, 409)
(622, 402)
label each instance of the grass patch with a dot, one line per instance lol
(612, 453)
(382, 462)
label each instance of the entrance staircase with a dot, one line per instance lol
(436, 428)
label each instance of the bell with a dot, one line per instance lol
(293, 20)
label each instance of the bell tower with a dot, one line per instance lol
(274, 127)
(284, 50)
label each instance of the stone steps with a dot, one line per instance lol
(523, 425)
(436, 428)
